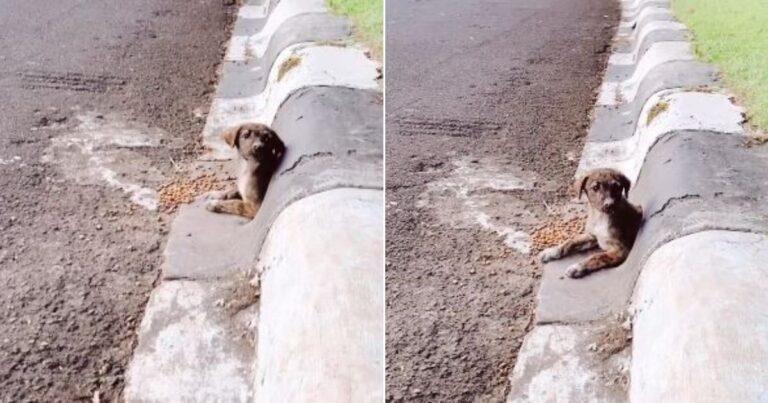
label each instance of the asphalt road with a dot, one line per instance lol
(101, 101)
(487, 110)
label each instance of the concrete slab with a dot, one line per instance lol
(241, 79)
(700, 330)
(614, 93)
(618, 122)
(322, 305)
(561, 363)
(721, 195)
(254, 11)
(631, 30)
(629, 13)
(189, 350)
(248, 47)
(204, 245)
(673, 31)
(251, 17)
(622, 64)
(664, 113)
(647, 12)
(598, 296)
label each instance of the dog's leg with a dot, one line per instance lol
(236, 207)
(603, 260)
(578, 243)
(223, 195)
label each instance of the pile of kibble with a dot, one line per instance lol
(556, 232)
(183, 190)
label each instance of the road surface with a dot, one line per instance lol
(487, 109)
(102, 101)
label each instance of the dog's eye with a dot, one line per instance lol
(595, 187)
(246, 134)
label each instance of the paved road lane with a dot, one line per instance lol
(97, 101)
(487, 108)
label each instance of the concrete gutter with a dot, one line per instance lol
(289, 306)
(661, 327)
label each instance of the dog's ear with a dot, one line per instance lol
(277, 147)
(231, 136)
(581, 184)
(624, 182)
(278, 151)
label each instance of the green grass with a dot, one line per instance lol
(367, 17)
(733, 35)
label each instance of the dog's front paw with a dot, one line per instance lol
(214, 195)
(212, 205)
(550, 254)
(576, 270)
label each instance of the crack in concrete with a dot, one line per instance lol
(673, 201)
(307, 157)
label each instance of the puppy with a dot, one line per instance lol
(612, 224)
(260, 151)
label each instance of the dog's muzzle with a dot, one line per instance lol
(608, 204)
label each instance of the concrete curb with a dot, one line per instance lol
(274, 308)
(662, 119)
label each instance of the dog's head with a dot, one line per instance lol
(604, 187)
(255, 141)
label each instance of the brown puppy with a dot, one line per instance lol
(612, 224)
(260, 151)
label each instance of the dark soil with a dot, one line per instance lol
(477, 92)
(77, 261)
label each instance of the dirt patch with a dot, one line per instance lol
(288, 64)
(611, 345)
(613, 339)
(657, 109)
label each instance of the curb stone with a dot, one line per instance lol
(223, 324)
(690, 284)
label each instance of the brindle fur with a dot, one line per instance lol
(612, 224)
(260, 150)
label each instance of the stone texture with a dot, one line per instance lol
(190, 350)
(560, 363)
(700, 332)
(322, 307)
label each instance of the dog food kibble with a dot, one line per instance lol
(556, 232)
(180, 191)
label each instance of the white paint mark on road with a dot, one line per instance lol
(476, 194)
(517, 240)
(10, 161)
(102, 150)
